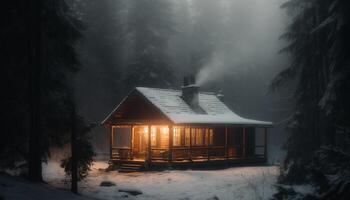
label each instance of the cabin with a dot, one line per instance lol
(155, 127)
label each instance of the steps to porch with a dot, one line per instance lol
(131, 167)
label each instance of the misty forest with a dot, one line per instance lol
(175, 99)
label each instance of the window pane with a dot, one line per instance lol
(199, 136)
(164, 137)
(121, 136)
(206, 136)
(177, 137)
(187, 136)
(153, 136)
(182, 136)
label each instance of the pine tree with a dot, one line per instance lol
(318, 34)
(336, 24)
(14, 75)
(40, 39)
(79, 163)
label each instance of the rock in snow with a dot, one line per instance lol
(107, 184)
(131, 191)
(213, 198)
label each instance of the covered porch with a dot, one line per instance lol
(159, 144)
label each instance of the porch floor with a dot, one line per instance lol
(195, 163)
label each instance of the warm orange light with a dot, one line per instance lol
(164, 130)
(153, 135)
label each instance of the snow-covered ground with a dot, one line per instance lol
(14, 188)
(232, 183)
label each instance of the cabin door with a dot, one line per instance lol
(140, 142)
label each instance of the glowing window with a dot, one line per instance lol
(177, 137)
(209, 135)
(199, 137)
(153, 136)
(187, 136)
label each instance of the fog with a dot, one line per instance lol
(252, 29)
(213, 70)
(229, 45)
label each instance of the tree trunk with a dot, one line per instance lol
(35, 64)
(74, 186)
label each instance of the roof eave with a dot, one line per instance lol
(116, 108)
(226, 124)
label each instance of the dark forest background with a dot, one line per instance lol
(66, 64)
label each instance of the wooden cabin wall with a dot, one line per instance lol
(136, 109)
(199, 150)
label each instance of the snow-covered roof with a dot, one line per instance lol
(172, 105)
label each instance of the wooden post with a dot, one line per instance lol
(132, 142)
(226, 153)
(265, 143)
(111, 142)
(190, 144)
(149, 152)
(208, 139)
(171, 133)
(243, 143)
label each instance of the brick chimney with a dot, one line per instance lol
(220, 96)
(190, 92)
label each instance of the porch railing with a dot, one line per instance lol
(121, 153)
(190, 153)
(259, 151)
(159, 153)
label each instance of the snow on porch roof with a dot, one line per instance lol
(171, 104)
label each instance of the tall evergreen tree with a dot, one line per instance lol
(40, 37)
(150, 26)
(79, 162)
(14, 75)
(319, 46)
(59, 32)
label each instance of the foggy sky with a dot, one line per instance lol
(244, 61)
(255, 26)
